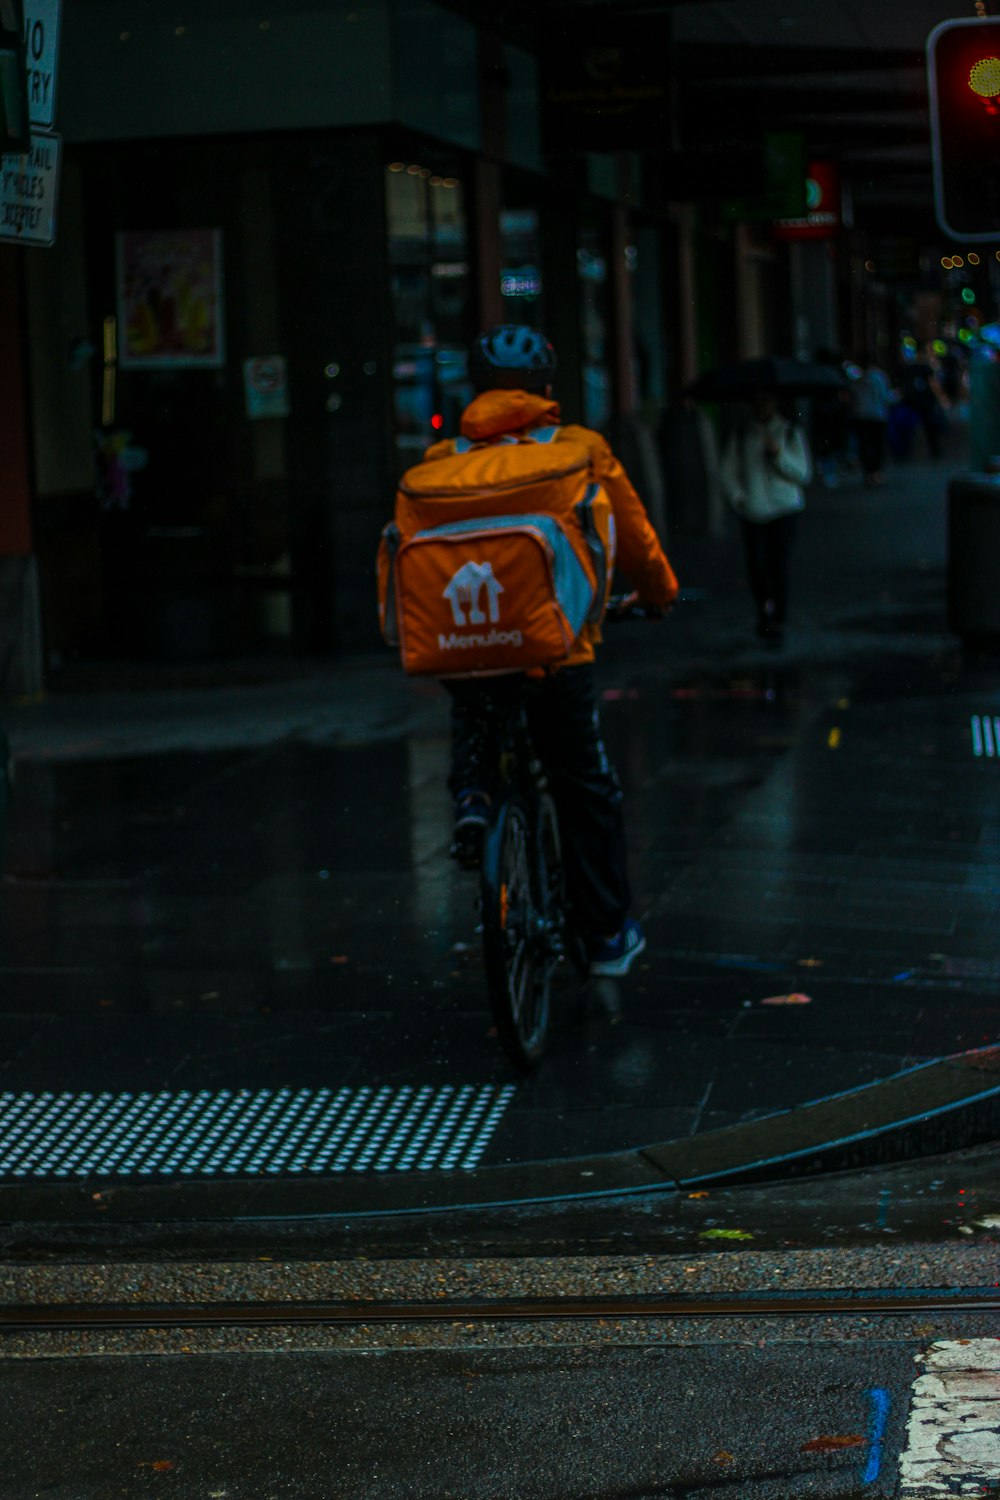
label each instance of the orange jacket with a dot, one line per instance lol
(639, 554)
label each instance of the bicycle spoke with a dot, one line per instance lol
(518, 938)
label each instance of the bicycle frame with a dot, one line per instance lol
(521, 887)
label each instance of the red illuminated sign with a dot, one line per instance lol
(822, 220)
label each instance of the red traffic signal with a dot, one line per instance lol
(984, 82)
(963, 74)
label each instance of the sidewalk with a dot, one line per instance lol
(856, 596)
(354, 701)
(245, 888)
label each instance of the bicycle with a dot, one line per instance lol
(527, 925)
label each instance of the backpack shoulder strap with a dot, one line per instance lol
(466, 444)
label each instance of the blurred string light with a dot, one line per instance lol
(947, 262)
(972, 258)
(414, 169)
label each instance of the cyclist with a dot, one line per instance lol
(512, 369)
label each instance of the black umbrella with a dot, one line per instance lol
(785, 377)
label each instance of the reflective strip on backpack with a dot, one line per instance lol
(466, 444)
(597, 550)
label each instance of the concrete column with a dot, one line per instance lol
(493, 127)
(815, 317)
(684, 216)
(20, 618)
(488, 265)
(621, 291)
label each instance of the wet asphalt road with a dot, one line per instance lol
(745, 1410)
(280, 914)
(745, 1407)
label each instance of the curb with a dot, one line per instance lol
(947, 1104)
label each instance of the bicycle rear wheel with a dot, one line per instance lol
(520, 943)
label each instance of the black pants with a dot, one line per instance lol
(565, 730)
(871, 444)
(929, 417)
(767, 545)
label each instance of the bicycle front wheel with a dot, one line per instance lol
(517, 943)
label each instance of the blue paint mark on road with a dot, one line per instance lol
(879, 1402)
(883, 1207)
(906, 974)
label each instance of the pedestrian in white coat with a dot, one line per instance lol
(765, 465)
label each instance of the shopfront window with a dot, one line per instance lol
(430, 282)
(595, 314)
(521, 261)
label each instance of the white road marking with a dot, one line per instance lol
(953, 1431)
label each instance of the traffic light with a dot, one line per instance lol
(15, 132)
(963, 73)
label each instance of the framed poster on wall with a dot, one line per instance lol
(169, 295)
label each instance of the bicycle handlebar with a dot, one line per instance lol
(628, 607)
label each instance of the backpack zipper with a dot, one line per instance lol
(482, 491)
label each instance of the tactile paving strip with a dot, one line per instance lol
(247, 1133)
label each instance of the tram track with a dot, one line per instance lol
(22, 1317)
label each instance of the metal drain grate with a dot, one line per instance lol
(986, 734)
(247, 1132)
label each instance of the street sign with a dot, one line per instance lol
(784, 191)
(604, 86)
(822, 218)
(265, 386)
(29, 189)
(41, 54)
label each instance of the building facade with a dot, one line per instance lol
(277, 235)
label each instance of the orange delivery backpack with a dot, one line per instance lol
(499, 553)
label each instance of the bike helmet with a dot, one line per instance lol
(512, 357)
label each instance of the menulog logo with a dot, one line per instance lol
(466, 590)
(455, 642)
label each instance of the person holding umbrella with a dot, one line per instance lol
(764, 467)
